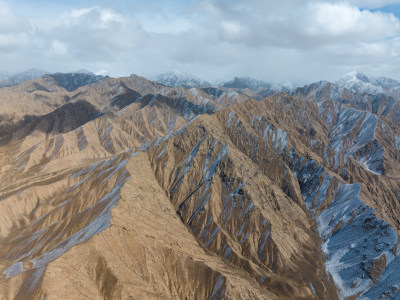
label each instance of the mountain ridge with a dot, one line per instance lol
(151, 190)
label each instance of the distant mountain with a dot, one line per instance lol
(259, 89)
(5, 75)
(361, 83)
(21, 77)
(73, 81)
(247, 83)
(256, 85)
(107, 73)
(70, 81)
(175, 79)
(83, 71)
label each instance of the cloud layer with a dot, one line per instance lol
(293, 40)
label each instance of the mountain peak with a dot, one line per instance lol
(257, 85)
(83, 71)
(359, 82)
(354, 76)
(73, 81)
(247, 82)
(180, 79)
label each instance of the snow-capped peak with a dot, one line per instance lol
(247, 83)
(83, 71)
(359, 82)
(177, 79)
(256, 85)
(107, 73)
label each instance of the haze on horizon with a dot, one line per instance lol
(215, 39)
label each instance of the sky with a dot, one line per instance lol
(289, 40)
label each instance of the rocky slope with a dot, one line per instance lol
(125, 188)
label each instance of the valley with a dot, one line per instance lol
(124, 188)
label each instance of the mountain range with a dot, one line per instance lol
(128, 188)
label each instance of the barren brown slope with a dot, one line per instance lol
(132, 195)
(257, 253)
(48, 205)
(156, 242)
(22, 104)
(236, 211)
(146, 252)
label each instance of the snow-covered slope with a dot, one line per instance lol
(361, 83)
(182, 79)
(256, 85)
(379, 96)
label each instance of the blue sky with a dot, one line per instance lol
(290, 40)
(393, 9)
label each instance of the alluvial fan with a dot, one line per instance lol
(126, 188)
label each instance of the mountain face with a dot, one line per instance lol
(125, 188)
(73, 81)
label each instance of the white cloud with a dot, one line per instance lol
(92, 34)
(12, 42)
(14, 29)
(272, 40)
(311, 24)
(77, 13)
(108, 17)
(346, 20)
(233, 30)
(94, 17)
(58, 49)
(10, 22)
